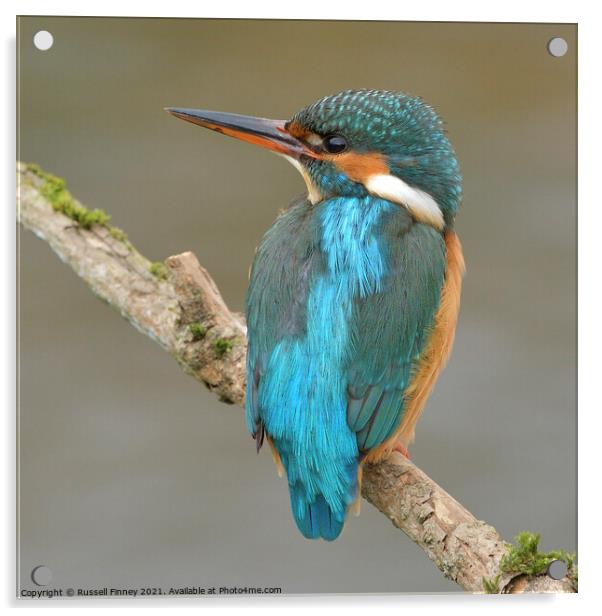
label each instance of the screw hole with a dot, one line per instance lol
(41, 575)
(557, 569)
(43, 40)
(557, 47)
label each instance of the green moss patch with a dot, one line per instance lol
(524, 557)
(197, 330)
(492, 587)
(55, 191)
(222, 346)
(159, 270)
(119, 234)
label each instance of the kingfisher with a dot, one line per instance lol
(354, 291)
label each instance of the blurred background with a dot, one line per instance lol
(130, 473)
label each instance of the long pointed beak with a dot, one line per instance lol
(270, 134)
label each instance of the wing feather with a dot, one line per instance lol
(390, 331)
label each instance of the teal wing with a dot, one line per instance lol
(276, 304)
(390, 329)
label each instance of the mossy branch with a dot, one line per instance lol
(177, 304)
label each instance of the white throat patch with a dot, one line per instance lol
(312, 191)
(420, 204)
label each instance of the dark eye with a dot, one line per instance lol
(335, 144)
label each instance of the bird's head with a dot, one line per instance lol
(360, 142)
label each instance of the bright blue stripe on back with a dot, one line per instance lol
(302, 396)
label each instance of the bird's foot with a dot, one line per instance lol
(402, 449)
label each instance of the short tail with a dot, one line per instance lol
(316, 520)
(315, 517)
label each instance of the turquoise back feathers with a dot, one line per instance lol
(339, 305)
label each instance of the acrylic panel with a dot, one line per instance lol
(131, 474)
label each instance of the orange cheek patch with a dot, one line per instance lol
(360, 167)
(296, 130)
